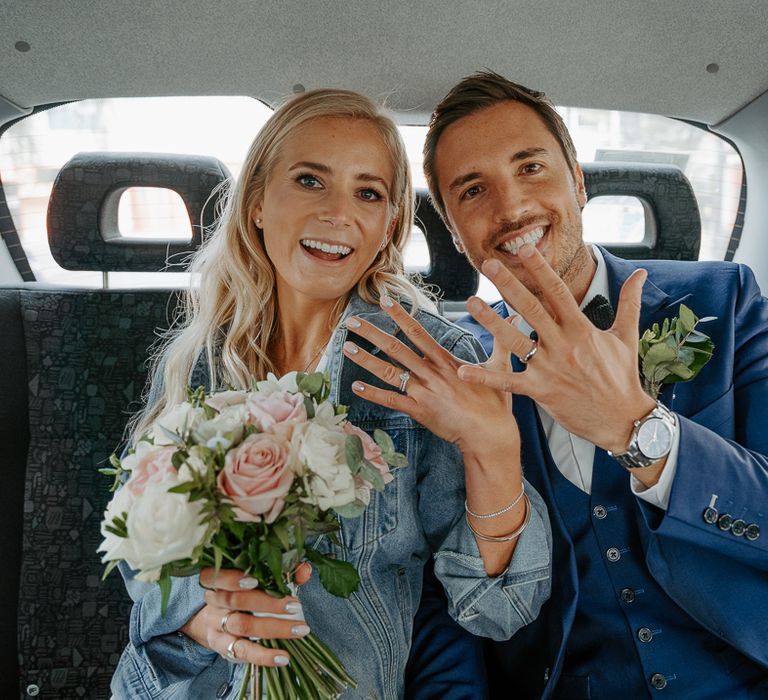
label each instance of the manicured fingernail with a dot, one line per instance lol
(351, 348)
(352, 322)
(292, 607)
(300, 630)
(474, 305)
(281, 660)
(491, 267)
(358, 386)
(248, 583)
(526, 251)
(386, 301)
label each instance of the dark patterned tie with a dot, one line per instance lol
(600, 312)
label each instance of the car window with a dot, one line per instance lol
(33, 150)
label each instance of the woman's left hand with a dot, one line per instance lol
(476, 418)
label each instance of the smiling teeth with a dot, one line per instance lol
(326, 247)
(513, 245)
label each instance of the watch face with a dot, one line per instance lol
(654, 438)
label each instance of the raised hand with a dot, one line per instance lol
(585, 378)
(226, 624)
(429, 390)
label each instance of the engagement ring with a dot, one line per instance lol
(404, 377)
(231, 654)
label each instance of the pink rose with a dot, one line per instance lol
(149, 464)
(371, 451)
(256, 476)
(265, 410)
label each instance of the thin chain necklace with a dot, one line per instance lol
(317, 353)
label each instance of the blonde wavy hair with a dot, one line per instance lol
(232, 315)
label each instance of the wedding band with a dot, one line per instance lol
(231, 655)
(404, 377)
(529, 355)
(223, 623)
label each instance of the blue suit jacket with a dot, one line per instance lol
(719, 579)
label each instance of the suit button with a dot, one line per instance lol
(710, 516)
(724, 522)
(658, 681)
(752, 532)
(599, 512)
(223, 690)
(627, 595)
(613, 554)
(644, 635)
(738, 527)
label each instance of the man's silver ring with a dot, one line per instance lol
(223, 623)
(404, 377)
(527, 357)
(231, 655)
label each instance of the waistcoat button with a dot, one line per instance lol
(627, 595)
(710, 516)
(658, 681)
(738, 527)
(599, 512)
(752, 532)
(724, 522)
(613, 554)
(644, 635)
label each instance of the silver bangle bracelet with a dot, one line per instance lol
(504, 538)
(505, 509)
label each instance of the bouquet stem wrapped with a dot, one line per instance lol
(245, 480)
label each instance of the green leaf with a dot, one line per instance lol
(165, 591)
(109, 567)
(338, 577)
(173, 437)
(114, 461)
(311, 384)
(395, 459)
(309, 407)
(383, 441)
(687, 318)
(186, 487)
(281, 532)
(372, 475)
(353, 448)
(351, 510)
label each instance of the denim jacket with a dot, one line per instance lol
(419, 513)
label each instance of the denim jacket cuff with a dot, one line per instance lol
(497, 606)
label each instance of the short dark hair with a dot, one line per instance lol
(475, 93)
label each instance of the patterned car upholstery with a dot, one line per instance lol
(74, 368)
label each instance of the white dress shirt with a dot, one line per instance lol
(574, 455)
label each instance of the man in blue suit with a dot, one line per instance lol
(658, 508)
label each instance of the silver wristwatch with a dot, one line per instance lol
(651, 440)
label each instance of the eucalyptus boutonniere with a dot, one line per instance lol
(674, 352)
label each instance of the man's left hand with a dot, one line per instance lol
(585, 378)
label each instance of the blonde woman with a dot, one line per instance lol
(308, 251)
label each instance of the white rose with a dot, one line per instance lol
(113, 546)
(321, 454)
(325, 414)
(163, 527)
(177, 420)
(272, 384)
(226, 428)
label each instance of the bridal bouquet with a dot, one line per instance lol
(242, 479)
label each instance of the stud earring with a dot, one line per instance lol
(258, 222)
